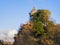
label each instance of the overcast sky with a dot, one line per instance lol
(16, 12)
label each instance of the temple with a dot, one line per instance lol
(32, 11)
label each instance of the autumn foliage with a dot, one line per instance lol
(40, 30)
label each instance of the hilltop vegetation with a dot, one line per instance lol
(40, 30)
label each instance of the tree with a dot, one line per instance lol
(40, 19)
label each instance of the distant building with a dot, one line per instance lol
(32, 11)
(5, 43)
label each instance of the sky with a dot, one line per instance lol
(16, 12)
(13, 13)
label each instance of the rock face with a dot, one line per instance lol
(24, 36)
